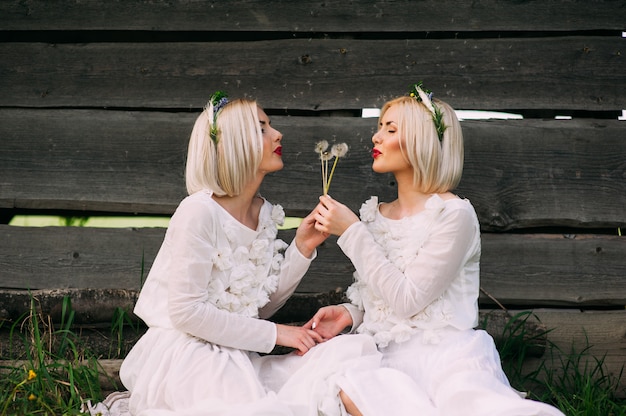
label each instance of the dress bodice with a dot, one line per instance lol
(411, 253)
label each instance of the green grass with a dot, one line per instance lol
(109, 222)
(57, 374)
(574, 381)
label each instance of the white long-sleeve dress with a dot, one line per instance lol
(416, 293)
(211, 281)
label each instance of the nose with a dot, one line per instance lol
(278, 136)
(376, 138)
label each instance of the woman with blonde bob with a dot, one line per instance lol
(417, 278)
(220, 272)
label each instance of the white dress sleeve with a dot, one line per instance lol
(189, 276)
(426, 276)
(356, 314)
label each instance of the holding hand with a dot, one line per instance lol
(330, 321)
(332, 216)
(308, 237)
(297, 337)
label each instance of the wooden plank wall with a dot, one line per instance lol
(97, 100)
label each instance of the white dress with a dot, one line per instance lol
(416, 292)
(211, 281)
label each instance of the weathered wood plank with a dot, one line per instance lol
(518, 173)
(75, 257)
(311, 16)
(93, 160)
(554, 269)
(523, 173)
(318, 74)
(518, 270)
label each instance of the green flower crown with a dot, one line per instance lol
(219, 99)
(425, 96)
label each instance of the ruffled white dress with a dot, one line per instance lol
(211, 281)
(416, 292)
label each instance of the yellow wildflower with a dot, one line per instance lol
(31, 375)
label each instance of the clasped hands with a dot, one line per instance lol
(325, 324)
(328, 217)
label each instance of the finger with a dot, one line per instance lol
(324, 201)
(316, 336)
(308, 342)
(321, 228)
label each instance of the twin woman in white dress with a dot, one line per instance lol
(221, 272)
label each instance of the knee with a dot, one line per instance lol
(349, 404)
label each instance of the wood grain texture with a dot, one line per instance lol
(518, 173)
(518, 270)
(97, 100)
(311, 16)
(318, 74)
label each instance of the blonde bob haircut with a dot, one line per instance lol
(225, 165)
(437, 165)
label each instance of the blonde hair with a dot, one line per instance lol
(437, 165)
(225, 165)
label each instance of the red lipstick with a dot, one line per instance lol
(279, 150)
(376, 153)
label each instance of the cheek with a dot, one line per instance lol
(394, 145)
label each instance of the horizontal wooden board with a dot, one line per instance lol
(311, 16)
(76, 257)
(526, 270)
(131, 162)
(518, 173)
(563, 73)
(554, 269)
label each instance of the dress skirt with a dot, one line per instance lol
(171, 373)
(460, 375)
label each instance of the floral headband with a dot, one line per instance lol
(218, 100)
(425, 96)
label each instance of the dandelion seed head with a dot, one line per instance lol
(321, 147)
(339, 150)
(326, 156)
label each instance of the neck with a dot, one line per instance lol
(410, 199)
(243, 207)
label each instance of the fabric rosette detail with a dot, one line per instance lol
(379, 320)
(249, 274)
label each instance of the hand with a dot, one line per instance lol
(297, 337)
(330, 321)
(307, 237)
(332, 216)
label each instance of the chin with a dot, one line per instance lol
(279, 166)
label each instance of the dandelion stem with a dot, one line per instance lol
(330, 178)
(323, 176)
